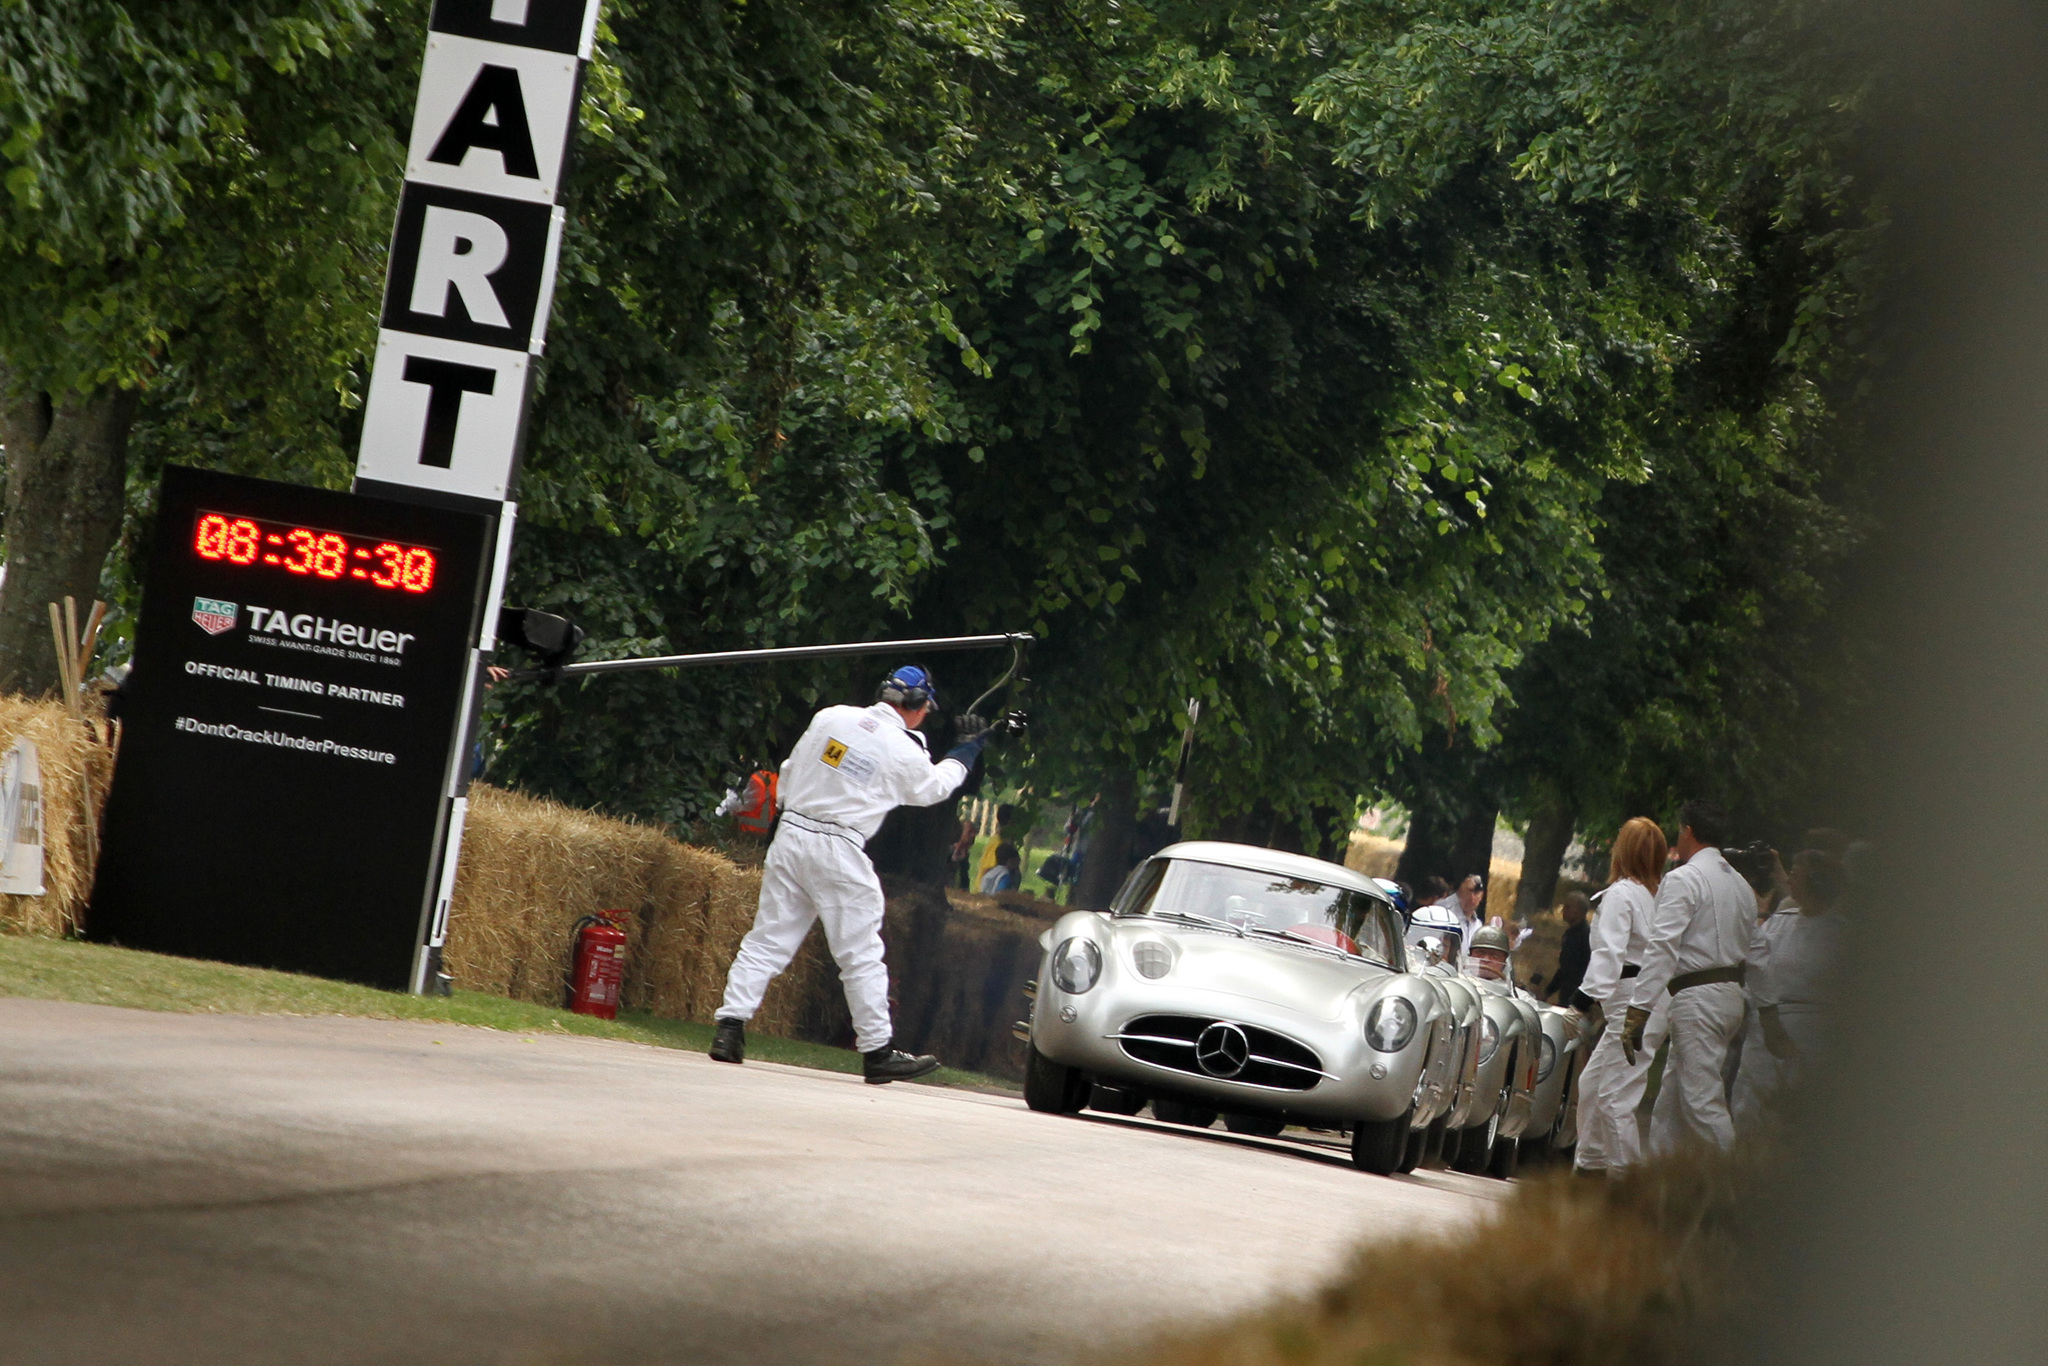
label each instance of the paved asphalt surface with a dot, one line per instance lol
(227, 1189)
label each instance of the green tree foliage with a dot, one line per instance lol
(197, 198)
(1353, 368)
(1696, 165)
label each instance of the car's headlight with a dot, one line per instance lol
(1075, 965)
(1489, 1039)
(1154, 959)
(1546, 1058)
(1390, 1024)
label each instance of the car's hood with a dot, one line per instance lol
(1255, 967)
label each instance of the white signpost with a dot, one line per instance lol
(469, 286)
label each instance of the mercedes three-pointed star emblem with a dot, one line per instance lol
(1222, 1049)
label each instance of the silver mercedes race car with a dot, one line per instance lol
(1266, 986)
(1554, 1108)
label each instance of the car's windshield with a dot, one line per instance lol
(1248, 899)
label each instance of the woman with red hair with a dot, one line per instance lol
(1611, 1087)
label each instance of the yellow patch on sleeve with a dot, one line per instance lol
(834, 752)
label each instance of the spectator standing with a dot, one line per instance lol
(1611, 1087)
(1575, 953)
(958, 854)
(1465, 902)
(1006, 821)
(1007, 874)
(1698, 946)
(1791, 969)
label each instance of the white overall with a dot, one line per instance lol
(851, 768)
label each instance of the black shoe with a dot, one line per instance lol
(730, 1043)
(887, 1064)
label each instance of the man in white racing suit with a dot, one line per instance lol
(852, 767)
(1696, 954)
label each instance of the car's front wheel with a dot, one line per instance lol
(1261, 1126)
(1053, 1088)
(1180, 1112)
(1434, 1143)
(1475, 1149)
(1411, 1156)
(1113, 1100)
(1378, 1145)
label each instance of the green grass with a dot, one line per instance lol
(96, 974)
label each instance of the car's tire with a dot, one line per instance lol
(1378, 1145)
(1112, 1100)
(1418, 1139)
(1475, 1150)
(1507, 1155)
(1438, 1135)
(1053, 1088)
(1260, 1126)
(1180, 1112)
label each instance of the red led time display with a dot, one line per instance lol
(313, 553)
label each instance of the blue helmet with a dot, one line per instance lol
(1394, 893)
(910, 688)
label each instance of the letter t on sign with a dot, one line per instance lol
(447, 382)
(508, 11)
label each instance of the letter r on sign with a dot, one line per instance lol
(459, 252)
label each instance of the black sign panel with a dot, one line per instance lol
(299, 671)
(552, 24)
(466, 266)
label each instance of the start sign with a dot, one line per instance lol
(293, 728)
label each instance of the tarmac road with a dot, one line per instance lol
(228, 1189)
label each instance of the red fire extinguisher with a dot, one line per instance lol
(600, 965)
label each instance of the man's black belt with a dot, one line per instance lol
(1629, 970)
(1708, 976)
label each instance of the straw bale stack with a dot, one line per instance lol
(532, 868)
(1373, 855)
(1376, 856)
(76, 757)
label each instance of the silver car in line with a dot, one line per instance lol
(1270, 987)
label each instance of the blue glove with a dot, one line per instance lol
(967, 751)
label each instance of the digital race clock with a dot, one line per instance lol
(312, 552)
(292, 732)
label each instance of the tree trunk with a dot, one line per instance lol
(1109, 843)
(67, 465)
(1427, 851)
(1333, 834)
(1472, 850)
(1550, 834)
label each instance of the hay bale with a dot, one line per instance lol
(76, 757)
(659, 975)
(1373, 855)
(530, 870)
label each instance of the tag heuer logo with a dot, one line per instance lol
(213, 615)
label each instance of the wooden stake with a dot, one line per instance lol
(89, 643)
(63, 641)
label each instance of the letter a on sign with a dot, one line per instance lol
(492, 119)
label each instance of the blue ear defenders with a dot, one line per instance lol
(910, 688)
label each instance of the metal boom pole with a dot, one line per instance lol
(700, 661)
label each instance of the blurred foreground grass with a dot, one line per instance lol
(1569, 1271)
(96, 974)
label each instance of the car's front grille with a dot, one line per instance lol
(1184, 1042)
